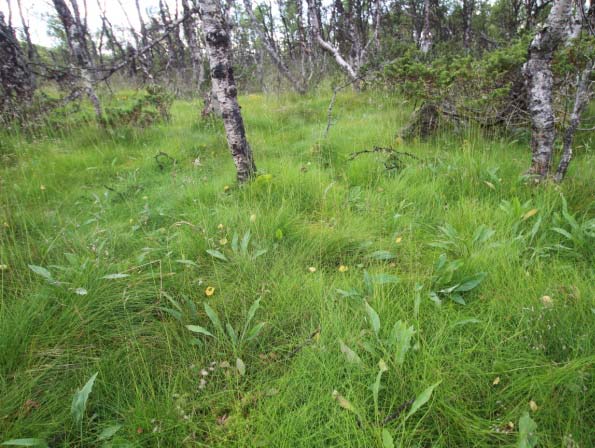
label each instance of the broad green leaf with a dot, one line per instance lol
(174, 313)
(457, 298)
(214, 318)
(245, 242)
(401, 338)
(43, 272)
(527, 427)
(79, 401)
(115, 276)
(26, 442)
(387, 439)
(259, 253)
(471, 283)
(232, 334)
(252, 312)
(383, 279)
(217, 254)
(381, 255)
(374, 318)
(200, 330)
(255, 331)
(422, 399)
(350, 355)
(109, 432)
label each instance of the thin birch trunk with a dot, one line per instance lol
(223, 84)
(272, 51)
(326, 46)
(539, 78)
(582, 98)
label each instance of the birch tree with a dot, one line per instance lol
(82, 64)
(540, 80)
(218, 44)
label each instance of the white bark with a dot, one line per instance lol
(223, 84)
(582, 98)
(272, 51)
(327, 46)
(539, 79)
(426, 38)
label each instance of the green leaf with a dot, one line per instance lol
(109, 432)
(376, 386)
(457, 298)
(200, 330)
(374, 318)
(214, 318)
(401, 337)
(350, 355)
(387, 439)
(245, 242)
(252, 312)
(232, 334)
(174, 313)
(217, 254)
(259, 253)
(26, 442)
(472, 283)
(43, 272)
(115, 276)
(384, 279)
(382, 255)
(422, 399)
(255, 331)
(527, 427)
(79, 401)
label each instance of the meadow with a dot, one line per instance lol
(439, 300)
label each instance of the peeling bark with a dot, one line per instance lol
(539, 78)
(582, 98)
(223, 84)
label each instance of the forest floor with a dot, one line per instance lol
(444, 302)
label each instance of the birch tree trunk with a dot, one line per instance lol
(272, 51)
(539, 79)
(75, 36)
(327, 46)
(582, 98)
(224, 87)
(426, 38)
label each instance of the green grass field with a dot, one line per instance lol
(371, 286)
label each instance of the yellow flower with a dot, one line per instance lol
(226, 188)
(223, 241)
(209, 291)
(220, 226)
(399, 239)
(343, 268)
(312, 269)
(42, 187)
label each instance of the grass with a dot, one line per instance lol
(85, 204)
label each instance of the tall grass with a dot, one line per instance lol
(85, 205)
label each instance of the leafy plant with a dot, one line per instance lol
(236, 338)
(452, 241)
(577, 235)
(239, 249)
(448, 283)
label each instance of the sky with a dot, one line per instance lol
(36, 12)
